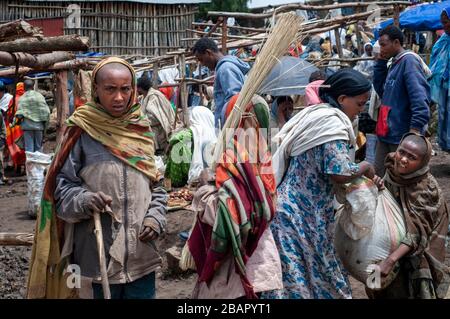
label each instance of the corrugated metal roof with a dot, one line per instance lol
(141, 1)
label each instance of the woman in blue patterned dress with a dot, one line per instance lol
(315, 153)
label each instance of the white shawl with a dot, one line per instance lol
(204, 134)
(4, 101)
(311, 127)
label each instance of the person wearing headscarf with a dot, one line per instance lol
(201, 121)
(314, 154)
(210, 98)
(14, 134)
(104, 164)
(439, 81)
(5, 99)
(366, 66)
(231, 246)
(312, 89)
(423, 272)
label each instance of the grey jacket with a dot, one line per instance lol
(90, 167)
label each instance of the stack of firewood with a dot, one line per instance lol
(24, 44)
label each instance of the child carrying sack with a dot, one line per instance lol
(368, 234)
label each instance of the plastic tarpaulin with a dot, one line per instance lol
(423, 17)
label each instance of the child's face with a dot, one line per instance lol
(408, 158)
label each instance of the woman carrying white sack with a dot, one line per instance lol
(315, 153)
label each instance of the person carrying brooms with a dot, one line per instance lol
(104, 164)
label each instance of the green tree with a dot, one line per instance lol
(222, 5)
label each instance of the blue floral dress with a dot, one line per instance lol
(303, 226)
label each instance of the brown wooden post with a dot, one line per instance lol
(213, 29)
(397, 16)
(59, 43)
(183, 91)
(155, 74)
(358, 37)
(338, 42)
(61, 103)
(224, 36)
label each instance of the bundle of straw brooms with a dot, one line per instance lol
(280, 38)
(278, 42)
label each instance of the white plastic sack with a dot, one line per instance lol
(160, 166)
(36, 164)
(387, 232)
(357, 215)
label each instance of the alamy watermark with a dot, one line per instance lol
(256, 142)
(374, 279)
(74, 278)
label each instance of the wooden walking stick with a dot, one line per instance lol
(101, 255)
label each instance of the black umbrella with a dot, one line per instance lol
(289, 76)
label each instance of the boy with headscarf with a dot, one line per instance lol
(105, 163)
(421, 256)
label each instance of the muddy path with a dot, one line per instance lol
(14, 218)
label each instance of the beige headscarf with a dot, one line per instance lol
(127, 137)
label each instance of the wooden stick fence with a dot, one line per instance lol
(116, 27)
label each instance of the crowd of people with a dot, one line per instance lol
(264, 228)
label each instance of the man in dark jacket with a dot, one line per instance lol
(404, 92)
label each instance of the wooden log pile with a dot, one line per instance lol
(35, 45)
(65, 65)
(24, 45)
(35, 61)
(18, 29)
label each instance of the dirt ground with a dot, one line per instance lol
(14, 218)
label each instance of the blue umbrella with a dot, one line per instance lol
(422, 17)
(289, 76)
